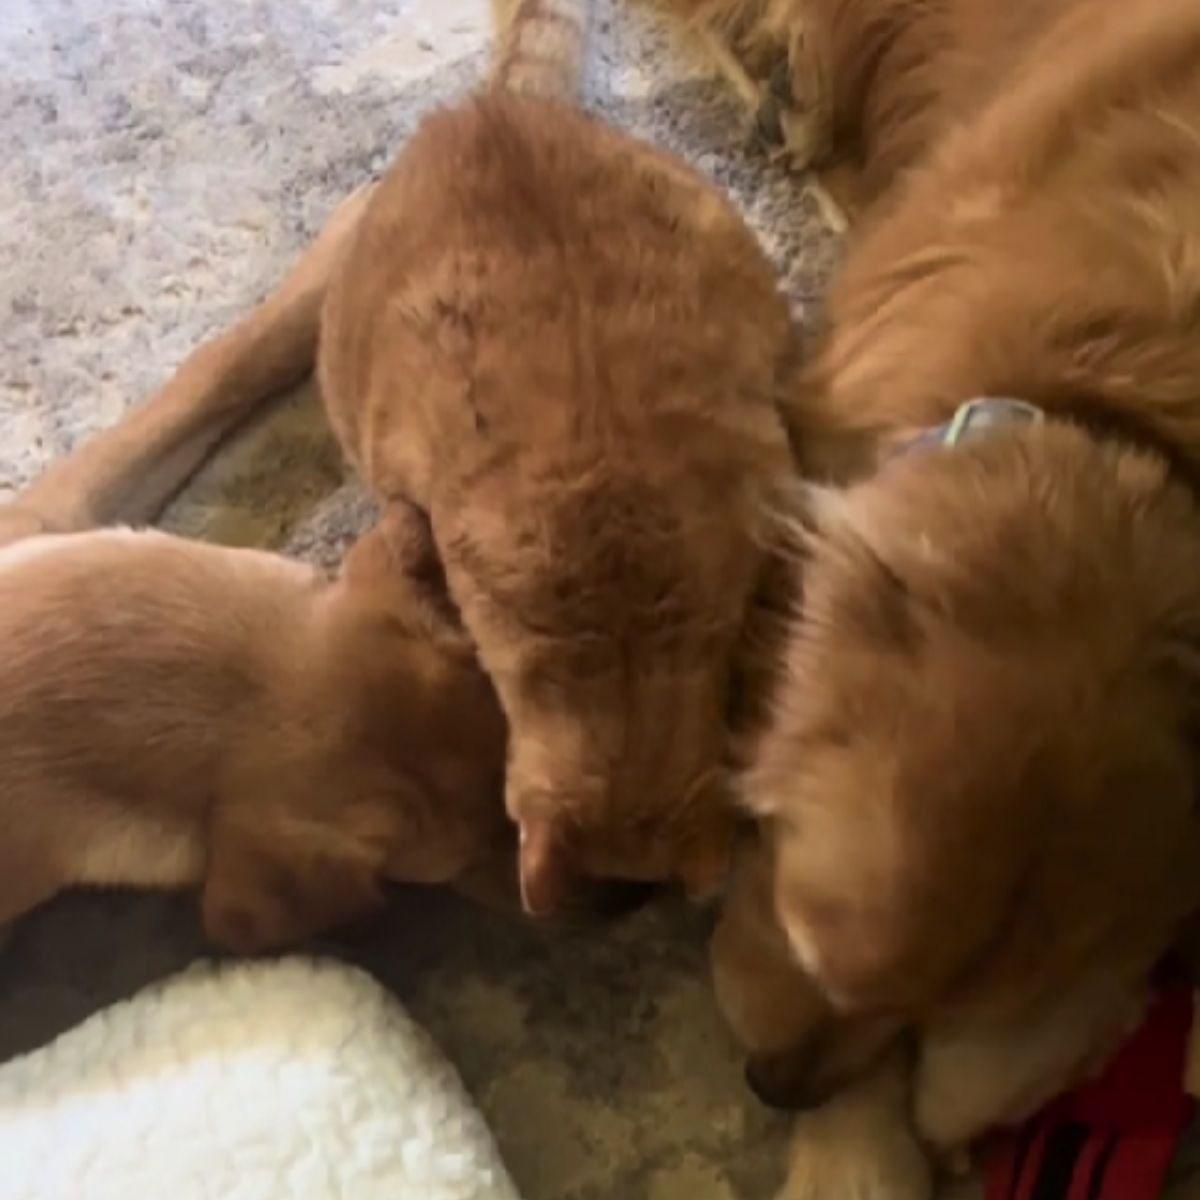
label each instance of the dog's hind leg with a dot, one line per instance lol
(128, 473)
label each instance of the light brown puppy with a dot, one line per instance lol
(979, 778)
(567, 349)
(177, 714)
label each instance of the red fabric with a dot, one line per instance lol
(1138, 1168)
(1133, 1115)
(1000, 1167)
(1142, 1086)
(1089, 1161)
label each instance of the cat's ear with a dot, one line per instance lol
(409, 537)
(399, 560)
(546, 873)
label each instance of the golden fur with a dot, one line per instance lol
(178, 714)
(979, 776)
(567, 349)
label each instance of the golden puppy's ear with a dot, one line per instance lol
(546, 875)
(399, 559)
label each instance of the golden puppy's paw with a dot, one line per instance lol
(860, 1145)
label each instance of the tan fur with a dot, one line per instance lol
(980, 774)
(566, 348)
(177, 714)
(1021, 611)
(870, 1141)
(290, 741)
(972, 1076)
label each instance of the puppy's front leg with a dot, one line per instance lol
(270, 885)
(860, 1145)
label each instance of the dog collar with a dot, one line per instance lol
(973, 418)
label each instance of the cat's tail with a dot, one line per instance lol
(540, 47)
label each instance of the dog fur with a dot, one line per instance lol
(799, 1047)
(979, 776)
(566, 348)
(177, 714)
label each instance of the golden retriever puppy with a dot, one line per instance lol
(882, 1100)
(566, 348)
(981, 756)
(979, 775)
(179, 714)
(801, 1049)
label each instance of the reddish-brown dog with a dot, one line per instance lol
(979, 776)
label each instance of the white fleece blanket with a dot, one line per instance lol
(293, 1080)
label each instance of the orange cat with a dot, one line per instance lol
(566, 348)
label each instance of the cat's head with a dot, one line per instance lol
(607, 609)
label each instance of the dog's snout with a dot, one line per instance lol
(785, 1080)
(780, 1081)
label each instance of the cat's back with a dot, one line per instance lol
(524, 266)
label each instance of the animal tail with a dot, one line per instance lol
(129, 473)
(540, 46)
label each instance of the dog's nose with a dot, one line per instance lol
(779, 1081)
